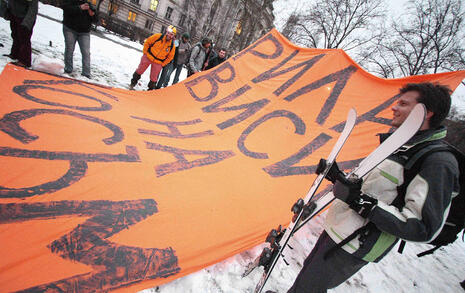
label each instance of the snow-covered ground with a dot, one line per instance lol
(113, 65)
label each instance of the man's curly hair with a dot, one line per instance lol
(435, 97)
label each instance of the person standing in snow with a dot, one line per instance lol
(158, 52)
(22, 15)
(183, 51)
(217, 59)
(78, 17)
(165, 75)
(369, 212)
(199, 55)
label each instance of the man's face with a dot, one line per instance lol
(207, 45)
(222, 53)
(402, 108)
(169, 36)
(184, 40)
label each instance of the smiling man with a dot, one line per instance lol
(372, 213)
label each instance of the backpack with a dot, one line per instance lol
(189, 53)
(455, 221)
(157, 40)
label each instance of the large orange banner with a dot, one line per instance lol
(108, 189)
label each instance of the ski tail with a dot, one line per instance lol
(349, 125)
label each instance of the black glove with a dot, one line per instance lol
(348, 190)
(363, 205)
(334, 172)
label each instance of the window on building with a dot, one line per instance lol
(112, 8)
(132, 16)
(163, 29)
(168, 13)
(135, 2)
(239, 28)
(149, 24)
(153, 5)
(182, 19)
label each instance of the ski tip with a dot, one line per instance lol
(420, 108)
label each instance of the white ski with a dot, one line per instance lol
(349, 125)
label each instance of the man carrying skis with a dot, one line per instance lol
(367, 218)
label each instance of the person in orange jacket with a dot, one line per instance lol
(158, 52)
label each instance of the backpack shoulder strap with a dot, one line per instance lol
(413, 159)
(424, 152)
(414, 162)
(171, 45)
(197, 45)
(159, 38)
(150, 47)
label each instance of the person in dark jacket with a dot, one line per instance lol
(22, 15)
(217, 59)
(183, 52)
(78, 17)
(165, 75)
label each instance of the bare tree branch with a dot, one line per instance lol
(428, 38)
(345, 24)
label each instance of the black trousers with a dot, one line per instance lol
(21, 35)
(319, 274)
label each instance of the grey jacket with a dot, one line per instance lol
(183, 52)
(25, 9)
(427, 202)
(197, 58)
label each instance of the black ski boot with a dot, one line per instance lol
(134, 80)
(152, 86)
(307, 209)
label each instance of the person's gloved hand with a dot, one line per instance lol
(348, 190)
(333, 173)
(363, 205)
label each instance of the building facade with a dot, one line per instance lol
(232, 24)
